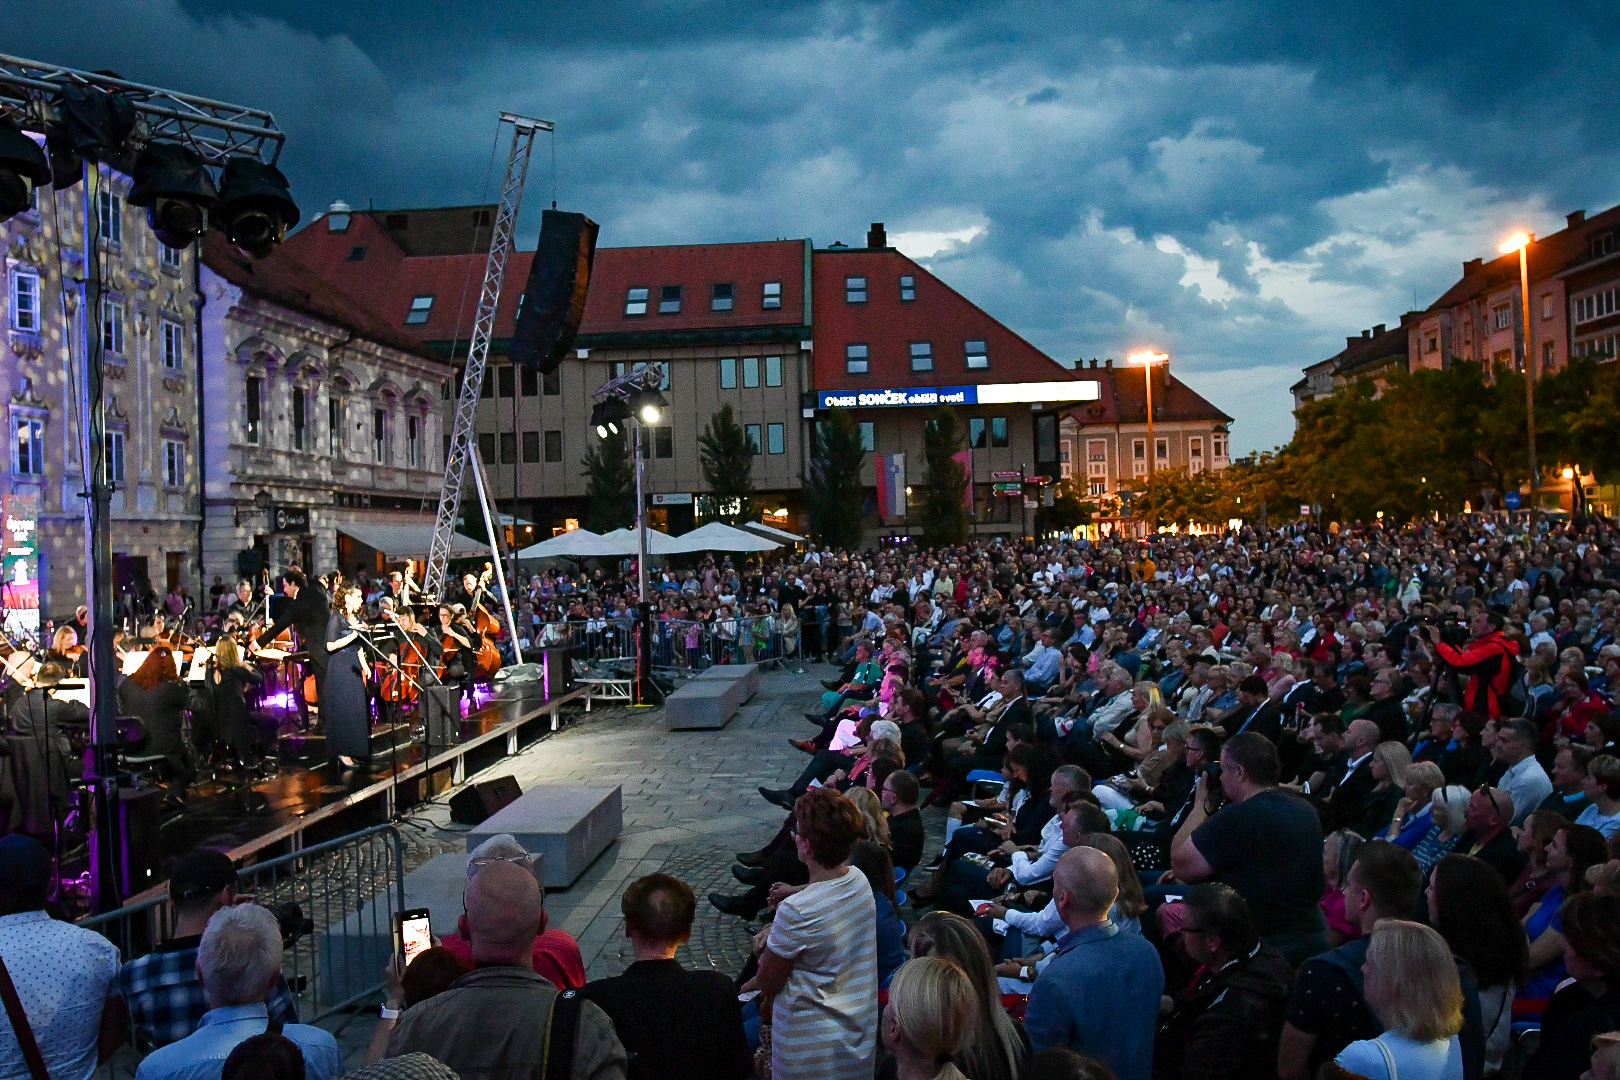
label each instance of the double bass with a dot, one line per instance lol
(487, 660)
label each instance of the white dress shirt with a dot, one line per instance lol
(1027, 871)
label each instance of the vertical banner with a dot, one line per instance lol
(19, 544)
(891, 485)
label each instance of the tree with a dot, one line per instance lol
(1071, 508)
(944, 504)
(610, 485)
(834, 494)
(728, 466)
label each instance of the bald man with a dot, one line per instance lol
(1100, 993)
(492, 1022)
(1355, 781)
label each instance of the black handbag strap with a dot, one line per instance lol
(274, 1027)
(561, 1033)
(21, 1027)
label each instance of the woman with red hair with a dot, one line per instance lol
(156, 697)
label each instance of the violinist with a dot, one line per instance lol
(156, 697)
(243, 602)
(65, 649)
(306, 609)
(154, 632)
(456, 637)
(229, 681)
(345, 702)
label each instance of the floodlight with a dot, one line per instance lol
(255, 206)
(174, 185)
(22, 169)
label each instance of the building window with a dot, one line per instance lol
(551, 383)
(635, 301)
(486, 448)
(112, 325)
(922, 356)
(1099, 485)
(1547, 306)
(487, 387)
(174, 463)
(776, 438)
(554, 446)
(1138, 457)
(978, 357)
(664, 442)
(413, 441)
(1161, 450)
(27, 444)
(1502, 316)
(357, 253)
(25, 314)
(1096, 458)
(1602, 244)
(620, 369)
(174, 347)
(750, 371)
(771, 297)
(998, 431)
(728, 373)
(171, 257)
(421, 310)
(1597, 305)
(334, 424)
(113, 455)
(1432, 344)
(773, 371)
(721, 299)
(379, 435)
(669, 300)
(528, 381)
(508, 448)
(855, 290)
(531, 447)
(300, 416)
(1195, 454)
(908, 287)
(110, 216)
(1548, 356)
(504, 380)
(1217, 446)
(255, 410)
(752, 432)
(857, 359)
(868, 436)
(977, 432)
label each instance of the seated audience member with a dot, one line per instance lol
(872, 859)
(1525, 781)
(1602, 787)
(997, 1044)
(673, 1023)
(1448, 811)
(1471, 909)
(1590, 1004)
(264, 1057)
(65, 975)
(1225, 1024)
(1574, 850)
(900, 792)
(1327, 1010)
(165, 1000)
(432, 972)
(1568, 774)
(1413, 989)
(238, 961)
(1535, 837)
(1062, 1063)
(1264, 842)
(556, 953)
(1100, 994)
(931, 1012)
(494, 1021)
(1413, 813)
(1339, 852)
(1490, 837)
(965, 881)
(1349, 787)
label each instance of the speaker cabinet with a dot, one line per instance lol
(140, 839)
(441, 717)
(472, 804)
(554, 300)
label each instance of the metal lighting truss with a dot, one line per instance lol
(472, 379)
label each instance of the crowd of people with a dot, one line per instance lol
(1310, 802)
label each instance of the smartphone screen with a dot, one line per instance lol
(415, 935)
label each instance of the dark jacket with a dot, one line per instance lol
(1502, 853)
(1390, 718)
(995, 740)
(906, 838)
(675, 1024)
(1226, 1025)
(307, 614)
(1267, 720)
(1345, 803)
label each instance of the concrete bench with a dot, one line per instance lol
(708, 701)
(566, 827)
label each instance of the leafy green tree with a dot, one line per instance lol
(728, 466)
(610, 485)
(1071, 508)
(944, 504)
(834, 495)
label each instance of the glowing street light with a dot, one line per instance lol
(1520, 242)
(1146, 358)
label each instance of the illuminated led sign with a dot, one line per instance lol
(986, 394)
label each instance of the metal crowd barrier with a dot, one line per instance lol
(335, 902)
(678, 644)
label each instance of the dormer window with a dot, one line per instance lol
(722, 297)
(669, 300)
(635, 302)
(421, 310)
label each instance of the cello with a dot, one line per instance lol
(487, 660)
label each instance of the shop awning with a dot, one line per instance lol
(408, 540)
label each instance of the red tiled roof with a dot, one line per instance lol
(888, 326)
(1549, 255)
(1124, 398)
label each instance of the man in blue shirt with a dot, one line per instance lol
(1100, 992)
(238, 961)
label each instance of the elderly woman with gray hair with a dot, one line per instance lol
(556, 953)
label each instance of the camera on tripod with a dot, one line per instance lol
(1452, 632)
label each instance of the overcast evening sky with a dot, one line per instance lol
(1241, 184)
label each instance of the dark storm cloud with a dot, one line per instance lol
(1241, 183)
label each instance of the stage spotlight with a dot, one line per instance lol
(614, 414)
(95, 124)
(22, 169)
(597, 421)
(255, 207)
(174, 185)
(649, 406)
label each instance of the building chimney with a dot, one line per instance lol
(876, 237)
(1350, 342)
(1471, 266)
(1575, 217)
(1109, 363)
(1379, 329)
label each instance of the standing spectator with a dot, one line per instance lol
(494, 1022)
(675, 1024)
(1100, 993)
(1412, 987)
(931, 1011)
(1225, 1025)
(238, 961)
(1525, 780)
(161, 989)
(818, 972)
(1472, 911)
(1487, 660)
(1265, 842)
(64, 974)
(1590, 1005)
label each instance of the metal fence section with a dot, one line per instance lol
(677, 644)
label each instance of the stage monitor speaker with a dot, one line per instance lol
(558, 665)
(472, 804)
(140, 839)
(554, 300)
(441, 717)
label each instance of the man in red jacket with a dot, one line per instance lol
(1487, 660)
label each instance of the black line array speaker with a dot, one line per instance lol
(441, 717)
(475, 802)
(554, 301)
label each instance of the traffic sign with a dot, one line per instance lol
(1037, 479)
(1512, 500)
(1007, 474)
(1013, 488)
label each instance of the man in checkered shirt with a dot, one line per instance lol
(165, 997)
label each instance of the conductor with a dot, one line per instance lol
(306, 610)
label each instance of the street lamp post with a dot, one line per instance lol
(1521, 242)
(1146, 358)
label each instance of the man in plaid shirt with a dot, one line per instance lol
(165, 997)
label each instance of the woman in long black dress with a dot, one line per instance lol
(344, 702)
(229, 680)
(156, 697)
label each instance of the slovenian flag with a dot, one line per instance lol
(891, 485)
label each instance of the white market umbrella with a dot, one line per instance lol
(658, 543)
(773, 533)
(573, 544)
(718, 536)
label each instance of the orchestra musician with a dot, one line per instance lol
(156, 697)
(228, 680)
(39, 724)
(345, 703)
(243, 602)
(305, 609)
(456, 637)
(65, 648)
